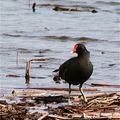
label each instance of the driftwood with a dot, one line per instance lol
(59, 117)
(76, 118)
(105, 85)
(72, 8)
(60, 8)
(62, 89)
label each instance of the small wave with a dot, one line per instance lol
(61, 5)
(11, 35)
(86, 39)
(66, 38)
(44, 50)
(58, 37)
(18, 35)
(108, 3)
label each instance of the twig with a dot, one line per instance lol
(108, 107)
(62, 89)
(17, 57)
(59, 117)
(105, 85)
(44, 116)
(94, 96)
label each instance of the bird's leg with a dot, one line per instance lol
(69, 101)
(81, 90)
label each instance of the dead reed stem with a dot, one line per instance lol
(104, 85)
(28, 67)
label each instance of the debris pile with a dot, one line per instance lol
(102, 106)
(35, 105)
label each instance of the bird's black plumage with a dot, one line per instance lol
(77, 69)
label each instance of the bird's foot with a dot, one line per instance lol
(85, 103)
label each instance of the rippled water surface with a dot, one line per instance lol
(52, 34)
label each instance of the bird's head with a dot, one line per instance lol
(80, 49)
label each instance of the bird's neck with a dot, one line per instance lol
(84, 54)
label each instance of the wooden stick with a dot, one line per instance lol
(17, 57)
(44, 116)
(61, 89)
(107, 107)
(105, 85)
(59, 117)
(40, 59)
(64, 118)
(2, 105)
(27, 75)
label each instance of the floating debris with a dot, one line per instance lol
(60, 8)
(102, 52)
(112, 64)
(12, 75)
(33, 6)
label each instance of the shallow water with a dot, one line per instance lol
(52, 34)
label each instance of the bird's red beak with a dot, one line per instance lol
(75, 48)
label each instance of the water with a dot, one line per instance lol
(51, 34)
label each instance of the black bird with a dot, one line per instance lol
(76, 70)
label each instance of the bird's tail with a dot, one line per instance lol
(56, 76)
(56, 70)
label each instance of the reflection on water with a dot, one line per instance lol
(51, 34)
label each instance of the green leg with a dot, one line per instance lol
(69, 102)
(81, 90)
